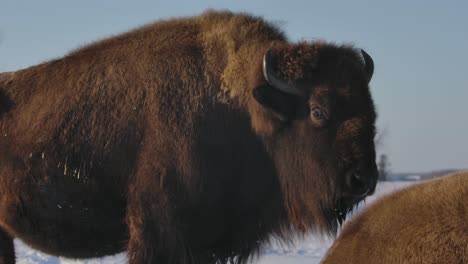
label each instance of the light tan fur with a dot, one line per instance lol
(6, 76)
(425, 223)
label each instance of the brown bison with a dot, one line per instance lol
(425, 223)
(190, 140)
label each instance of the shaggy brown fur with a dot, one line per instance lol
(168, 141)
(426, 223)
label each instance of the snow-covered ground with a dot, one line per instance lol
(309, 251)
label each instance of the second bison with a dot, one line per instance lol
(424, 223)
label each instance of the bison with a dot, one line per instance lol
(190, 140)
(425, 223)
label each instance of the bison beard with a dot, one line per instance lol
(191, 140)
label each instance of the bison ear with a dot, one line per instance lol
(280, 104)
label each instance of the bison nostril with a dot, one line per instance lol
(358, 176)
(358, 183)
(354, 178)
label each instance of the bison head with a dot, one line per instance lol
(312, 106)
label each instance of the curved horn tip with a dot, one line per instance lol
(266, 62)
(368, 64)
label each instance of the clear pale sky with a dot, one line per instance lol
(420, 49)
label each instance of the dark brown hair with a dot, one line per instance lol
(168, 141)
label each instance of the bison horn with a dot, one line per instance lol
(275, 81)
(368, 65)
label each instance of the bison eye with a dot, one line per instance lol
(318, 115)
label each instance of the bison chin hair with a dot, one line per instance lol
(314, 202)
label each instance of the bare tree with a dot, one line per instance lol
(383, 166)
(383, 162)
(379, 139)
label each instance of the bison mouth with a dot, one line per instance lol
(344, 206)
(357, 185)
